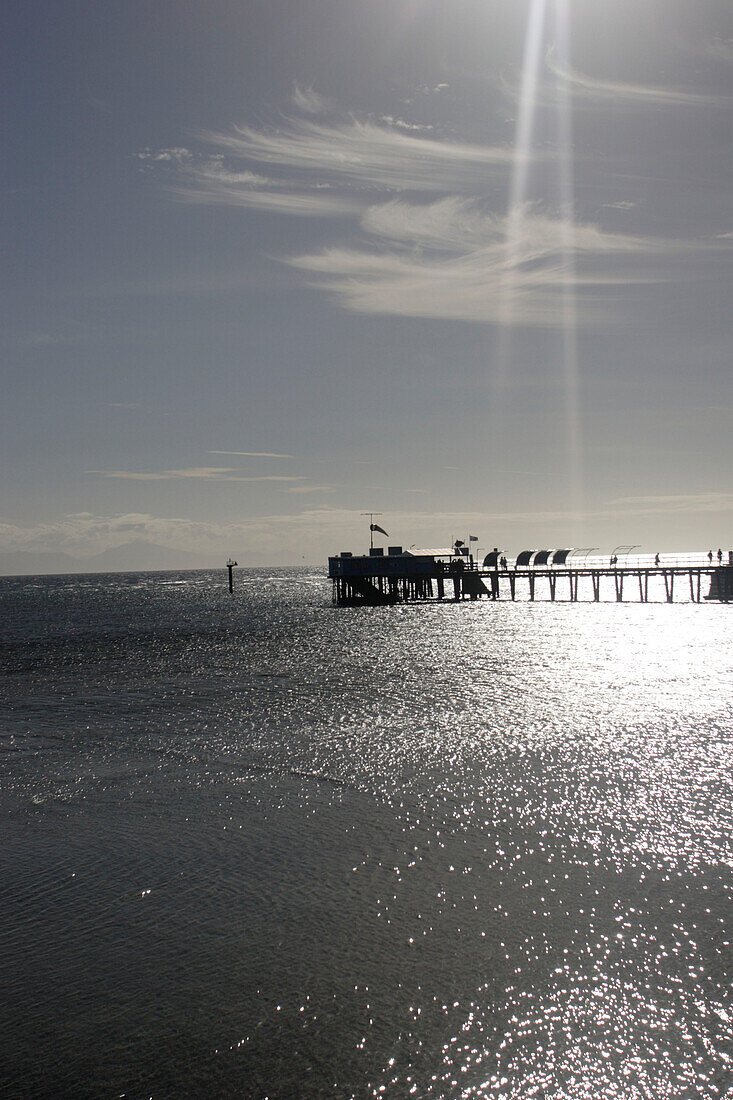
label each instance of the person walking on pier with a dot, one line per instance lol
(710, 556)
(720, 557)
(656, 560)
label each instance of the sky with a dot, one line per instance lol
(272, 264)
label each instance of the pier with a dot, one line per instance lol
(548, 575)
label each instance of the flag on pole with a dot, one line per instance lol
(376, 527)
(473, 538)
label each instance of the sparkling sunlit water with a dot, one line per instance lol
(257, 846)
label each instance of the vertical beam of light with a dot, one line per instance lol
(527, 108)
(518, 194)
(518, 188)
(570, 365)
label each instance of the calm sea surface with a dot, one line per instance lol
(257, 846)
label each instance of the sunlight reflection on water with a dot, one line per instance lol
(266, 847)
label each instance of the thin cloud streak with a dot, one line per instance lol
(364, 153)
(309, 101)
(310, 489)
(623, 94)
(458, 224)
(206, 179)
(204, 473)
(211, 190)
(250, 454)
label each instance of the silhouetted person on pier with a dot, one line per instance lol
(656, 559)
(720, 557)
(502, 562)
(710, 556)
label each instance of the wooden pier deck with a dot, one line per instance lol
(403, 578)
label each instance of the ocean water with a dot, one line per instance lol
(258, 846)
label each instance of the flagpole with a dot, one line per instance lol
(371, 527)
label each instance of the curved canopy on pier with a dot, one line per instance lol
(491, 560)
(560, 557)
(524, 557)
(582, 551)
(542, 557)
(624, 550)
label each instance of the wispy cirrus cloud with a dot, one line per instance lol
(618, 93)
(411, 127)
(206, 178)
(207, 186)
(440, 251)
(309, 101)
(365, 153)
(201, 473)
(321, 166)
(310, 489)
(250, 454)
(449, 259)
(455, 223)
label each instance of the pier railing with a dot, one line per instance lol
(637, 569)
(691, 560)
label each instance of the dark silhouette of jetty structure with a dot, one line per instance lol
(404, 576)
